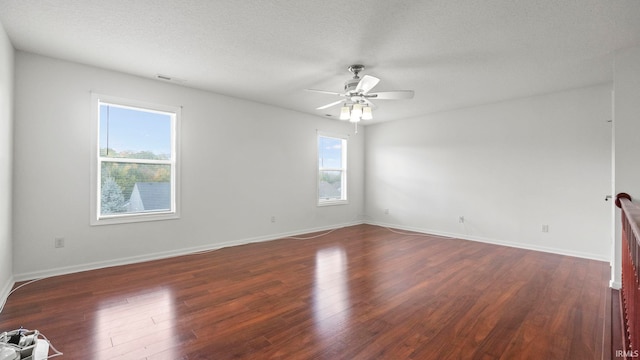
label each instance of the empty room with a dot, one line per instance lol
(319, 179)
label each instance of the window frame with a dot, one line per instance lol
(344, 199)
(97, 160)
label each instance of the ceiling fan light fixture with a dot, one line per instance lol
(356, 111)
(366, 113)
(345, 113)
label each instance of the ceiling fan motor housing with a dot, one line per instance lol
(350, 85)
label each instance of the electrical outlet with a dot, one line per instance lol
(58, 242)
(273, 218)
(461, 219)
(545, 228)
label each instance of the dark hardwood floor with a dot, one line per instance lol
(361, 292)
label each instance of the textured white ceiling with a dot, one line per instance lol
(453, 53)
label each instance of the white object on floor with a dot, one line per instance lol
(41, 351)
(8, 353)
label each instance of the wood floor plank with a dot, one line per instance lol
(361, 292)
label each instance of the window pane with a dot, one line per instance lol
(135, 188)
(134, 133)
(330, 185)
(330, 153)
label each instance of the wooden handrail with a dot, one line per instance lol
(630, 273)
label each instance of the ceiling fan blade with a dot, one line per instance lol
(325, 92)
(369, 103)
(392, 95)
(367, 83)
(330, 105)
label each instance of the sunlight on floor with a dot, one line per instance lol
(140, 325)
(331, 293)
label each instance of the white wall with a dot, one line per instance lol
(509, 168)
(242, 162)
(627, 135)
(6, 163)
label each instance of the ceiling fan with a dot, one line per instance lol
(356, 98)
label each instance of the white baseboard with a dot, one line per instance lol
(5, 290)
(494, 241)
(168, 254)
(210, 247)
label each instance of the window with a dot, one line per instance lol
(135, 163)
(332, 169)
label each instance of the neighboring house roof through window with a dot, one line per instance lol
(149, 196)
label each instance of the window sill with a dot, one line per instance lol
(134, 218)
(332, 202)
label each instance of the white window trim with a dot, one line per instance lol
(96, 219)
(344, 169)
